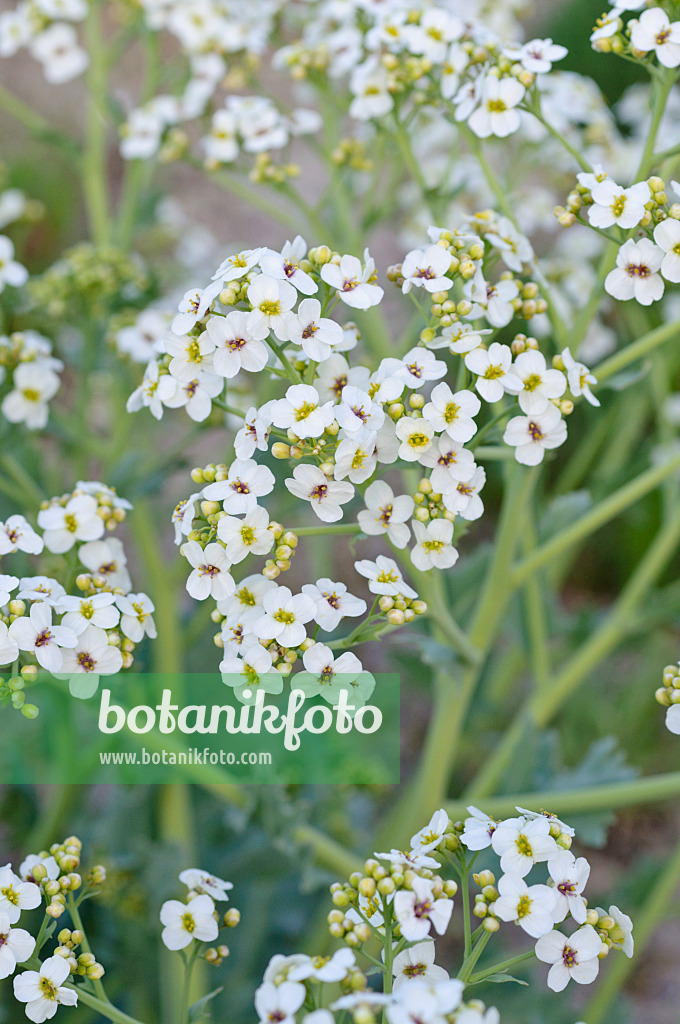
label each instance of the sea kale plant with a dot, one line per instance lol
(398, 295)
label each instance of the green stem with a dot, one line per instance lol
(637, 350)
(465, 896)
(466, 970)
(327, 851)
(591, 798)
(535, 611)
(501, 968)
(185, 997)
(602, 513)
(655, 909)
(542, 705)
(94, 158)
(319, 531)
(105, 1009)
(78, 923)
(274, 210)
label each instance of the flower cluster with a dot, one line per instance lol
(398, 58)
(340, 425)
(668, 696)
(46, 28)
(88, 282)
(651, 35)
(194, 923)
(402, 900)
(29, 378)
(85, 624)
(48, 879)
(643, 218)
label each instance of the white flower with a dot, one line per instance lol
(284, 617)
(387, 383)
(532, 907)
(613, 204)
(451, 464)
(251, 667)
(78, 520)
(279, 1003)
(521, 844)
(515, 248)
(49, 863)
(622, 934)
(556, 825)
(154, 392)
(211, 576)
(187, 921)
(415, 434)
(285, 265)
(667, 237)
(221, 144)
(579, 378)
(335, 373)
(36, 634)
(538, 55)
(354, 282)
(57, 50)
(495, 376)
(92, 656)
(606, 26)
(333, 603)
(254, 434)
(141, 134)
(672, 714)
(417, 910)
(372, 98)
(479, 830)
(34, 384)
(328, 676)
(570, 876)
(16, 946)
(136, 619)
(271, 300)
(635, 275)
(531, 436)
(326, 496)
(237, 265)
(410, 859)
(7, 585)
(203, 882)
(316, 335)
(540, 383)
(193, 307)
(452, 413)
(494, 301)
(357, 410)
(248, 536)
(106, 558)
(355, 456)
(16, 895)
(325, 969)
(9, 649)
(40, 588)
(433, 33)
(145, 338)
(16, 534)
(386, 513)
(245, 604)
(430, 836)
(423, 1003)
(433, 547)
(427, 268)
(417, 964)
(302, 412)
(245, 483)
(654, 31)
(44, 991)
(496, 114)
(384, 577)
(572, 957)
(419, 365)
(196, 395)
(190, 355)
(234, 346)
(15, 30)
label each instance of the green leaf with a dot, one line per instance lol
(499, 979)
(199, 1010)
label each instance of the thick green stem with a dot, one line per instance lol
(542, 705)
(78, 923)
(105, 1009)
(637, 350)
(502, 967)
(602, 513)
(591, 798)
(95, 185)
